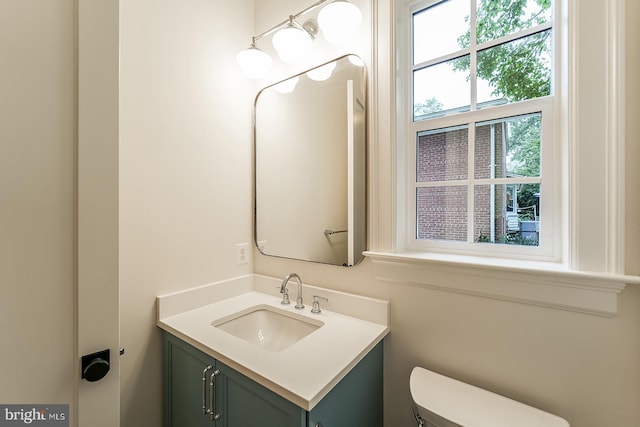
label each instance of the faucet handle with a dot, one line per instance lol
(316, 303)
(285, 296)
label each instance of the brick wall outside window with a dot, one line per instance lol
(442, 211)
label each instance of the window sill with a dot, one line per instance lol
(544, 284)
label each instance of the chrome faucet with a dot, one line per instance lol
(283, 289)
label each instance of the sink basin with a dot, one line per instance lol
(267, 327)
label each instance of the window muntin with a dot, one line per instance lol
(462, 195)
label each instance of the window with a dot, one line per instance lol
(481, 163)
(579, 263)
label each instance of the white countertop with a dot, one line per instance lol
(303, 373)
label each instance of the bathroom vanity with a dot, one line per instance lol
(234, 400)
(321, 369)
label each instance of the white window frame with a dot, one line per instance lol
(590, 109)
(549, 248)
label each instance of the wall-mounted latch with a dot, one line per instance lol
(95, 365)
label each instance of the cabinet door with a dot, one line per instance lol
(357, 400)
(247, 403)
(184, 366)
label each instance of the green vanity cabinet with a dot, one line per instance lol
(238, 401)
(241, 402)
(184, 369)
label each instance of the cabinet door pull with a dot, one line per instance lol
(212, 396)
(204, 389)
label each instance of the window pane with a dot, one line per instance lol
(508, 214)
(442, 88)
(442, 154)
(436, 29)
(508, 148)
(442, 213)
(515, 71)
(496, 19)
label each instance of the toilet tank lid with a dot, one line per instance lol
(472, 406)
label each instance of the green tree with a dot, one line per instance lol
(517, 70)
(431, 105)
(524, 145)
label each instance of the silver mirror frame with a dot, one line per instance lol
(346, 239)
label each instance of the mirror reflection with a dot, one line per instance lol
(309, 148)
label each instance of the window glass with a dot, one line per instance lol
(442, 213)
(515, 71)
(507, 214)
(501, 18)
(442, 154)
(441, 88)
(508, 148)
(479, 181)
(436, 30)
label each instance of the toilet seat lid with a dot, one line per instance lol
(472, 406)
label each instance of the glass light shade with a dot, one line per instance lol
(356, 60)
(288, 85)
(292, 44)
(254, 63)
(339, 21)
(322, 73)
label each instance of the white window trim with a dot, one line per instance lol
(590, 275)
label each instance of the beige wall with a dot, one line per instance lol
(37, 201)
(185, 170)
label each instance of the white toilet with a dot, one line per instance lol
(444, 402)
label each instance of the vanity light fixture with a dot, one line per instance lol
(340, 20)
(254, 62)
(356, 60)
(287, 86)
(321, 74)
(293, 42)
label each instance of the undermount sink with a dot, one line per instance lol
(268, 327)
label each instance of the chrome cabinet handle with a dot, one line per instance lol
(204, 389)
(212, 396)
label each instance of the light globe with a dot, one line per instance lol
(292, 44)
(339, 21)
(254, 63)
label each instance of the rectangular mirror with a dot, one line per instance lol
(310, 165)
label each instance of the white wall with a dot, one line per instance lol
(37, 201)
(582, 367)
(185, 170)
